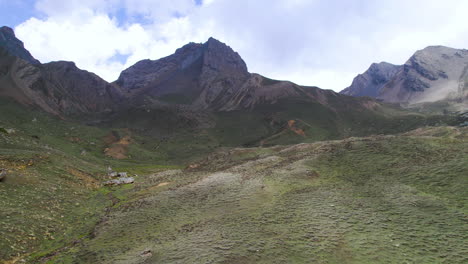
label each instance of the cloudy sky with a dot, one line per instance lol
(311, 42)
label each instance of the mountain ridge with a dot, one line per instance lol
(14, 46)
(432, 74)
(200, 89)
(208, 75)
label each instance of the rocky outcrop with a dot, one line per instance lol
(432, 74)
(10, 44)
(120, 181)
(371, 81)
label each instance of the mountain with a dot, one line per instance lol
(209, 76)
(432, 74)
(203, 89)
(207, 87)
(202, 74)
(216, 177)
(371, 81)
(59, 87)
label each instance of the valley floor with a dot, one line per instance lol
(378, 199)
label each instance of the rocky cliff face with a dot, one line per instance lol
(208, 76)
(200, 74)
(14, 46)
(371, 81)
(432, 74)
(59, 88)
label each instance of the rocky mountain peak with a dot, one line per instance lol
(371, 81)
(188, 48)
(198, 71)
(7, 30)
(14, 46)
(431, 74)
(219, 56)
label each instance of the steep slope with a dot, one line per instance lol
(433, 74)
(206, 89)
(14, 46)
(59, 88)
(371, 81)
(209, 76)
(202, 75)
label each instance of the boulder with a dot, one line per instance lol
(120, 181)
(122, 174)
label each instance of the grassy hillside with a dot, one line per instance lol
(52, 194)
(237, 203)
(379, 199)
(267, 124)
(180, 131)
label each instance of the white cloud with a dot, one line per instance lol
(323, 43)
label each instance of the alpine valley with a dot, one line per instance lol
(193, 159)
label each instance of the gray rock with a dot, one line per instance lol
(10, 130)
(120, 181)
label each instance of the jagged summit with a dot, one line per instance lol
(198, 76)
(431, 74)
(200, 73)
(13, 46)
(209, 75)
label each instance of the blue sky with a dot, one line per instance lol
(311, 42)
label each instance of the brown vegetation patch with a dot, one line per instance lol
(75, 139)
(118, 148)
(111, 138)
(85, 179)
(293, 128)
(371, 105)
